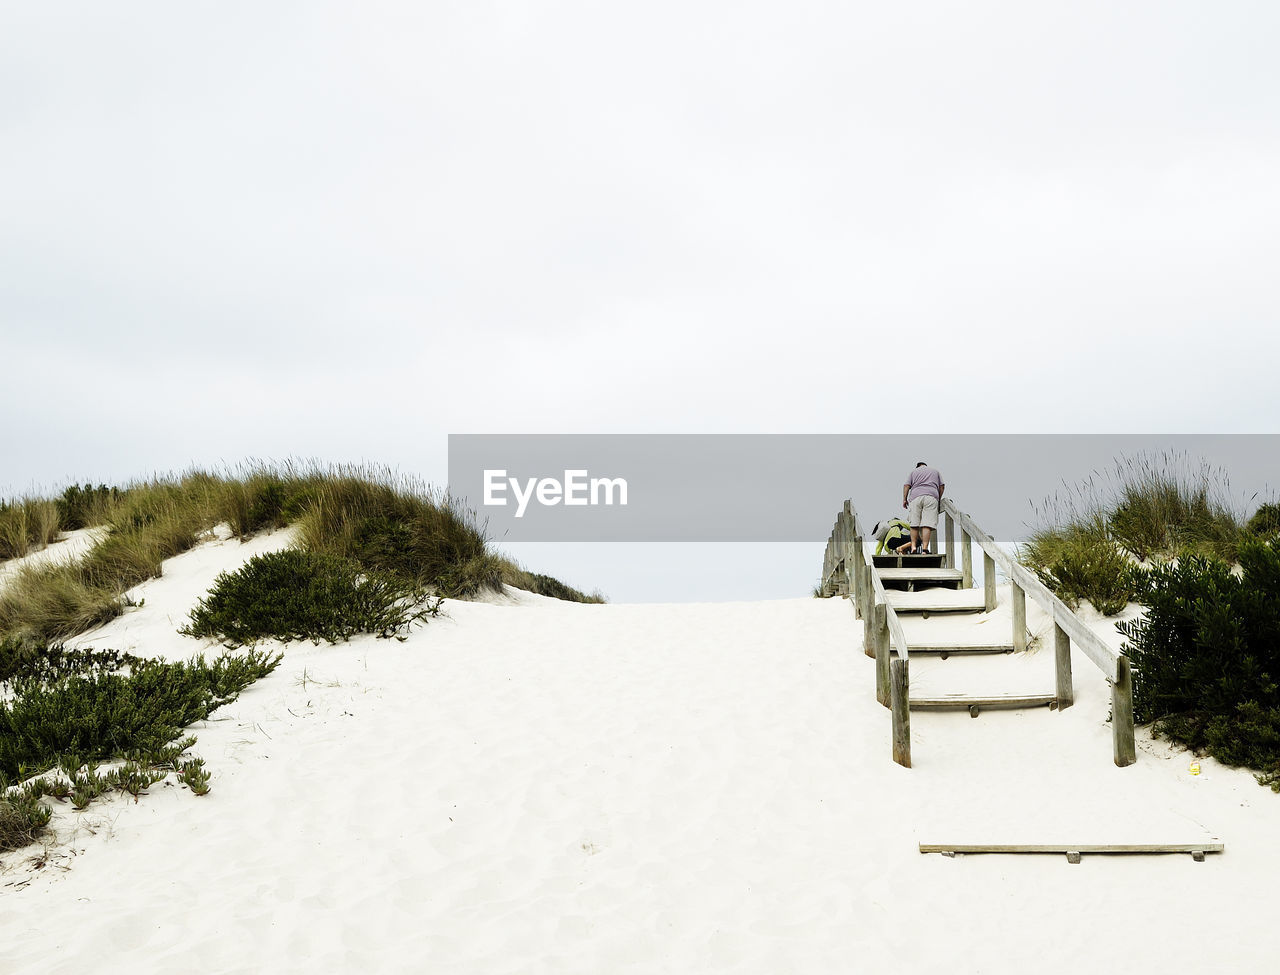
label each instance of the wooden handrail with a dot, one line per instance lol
(1068, 628)
(1106, 659)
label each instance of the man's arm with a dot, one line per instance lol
(941, 489)
(906, 488)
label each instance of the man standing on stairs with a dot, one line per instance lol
(921, 496)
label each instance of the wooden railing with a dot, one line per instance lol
(851, 569)
(1067, 628)
(848, 569)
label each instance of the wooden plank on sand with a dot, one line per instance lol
(1196, 849)
(972, 704)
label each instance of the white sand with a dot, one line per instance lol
(534, 786)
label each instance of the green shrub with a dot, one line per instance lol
(22, 820)
(85, 506)
(1206, 655)
(21, 658)
(1266, 520)
(295, 595)
(96, 715)
(513, 574)
(264, 500)
(1080, 561)
(402, 528)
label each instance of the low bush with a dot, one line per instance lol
(512, 574)
(30, 659)
(95, 715)
(296, 595)
(86, 506)
(1266, 520)
(22, 820)
(402, 528)
(62, 711)
(263, 499)
(1206, 655)
(1080, 561)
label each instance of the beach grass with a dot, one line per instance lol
(386, 522)
(1151, 507)
(26, 524)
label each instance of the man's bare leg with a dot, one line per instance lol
(915, 539)
(925, 534)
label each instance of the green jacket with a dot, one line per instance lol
(893, 533)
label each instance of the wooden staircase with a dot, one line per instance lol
(888, 586)
(883, 587)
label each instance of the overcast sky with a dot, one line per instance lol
(347, 230)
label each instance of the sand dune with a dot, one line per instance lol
(526, 785)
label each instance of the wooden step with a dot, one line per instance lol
(905, 561)
(960, 649)
(974, 705)
(937, 601)
(913, 573)
(916, 578)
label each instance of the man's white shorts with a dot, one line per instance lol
(922, 511)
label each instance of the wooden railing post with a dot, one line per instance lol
(1062, 667)
(841, 561)
(850, 546)
(988, 582)
(868, 626)
(1019, 617)
(950, 523)
(1123, 746)
(868, 591)
(899, 691)
(855, 577)
(881, 630)
(966, 559)
(826, 566)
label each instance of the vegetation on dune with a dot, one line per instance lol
(1147, 508)
(65, 711)
(294, 595)
(1206, 651)
(1265, 522)
(514, 575)
(403, 528)
(1082, 562)
(389, 525)
(1206, 655)
(378, 553)
(26, 524)
(83, 506)
(144, 526)
(95, 712)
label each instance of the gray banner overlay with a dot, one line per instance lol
(788, 487)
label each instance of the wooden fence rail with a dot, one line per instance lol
(1068, 628)
(852, 571)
